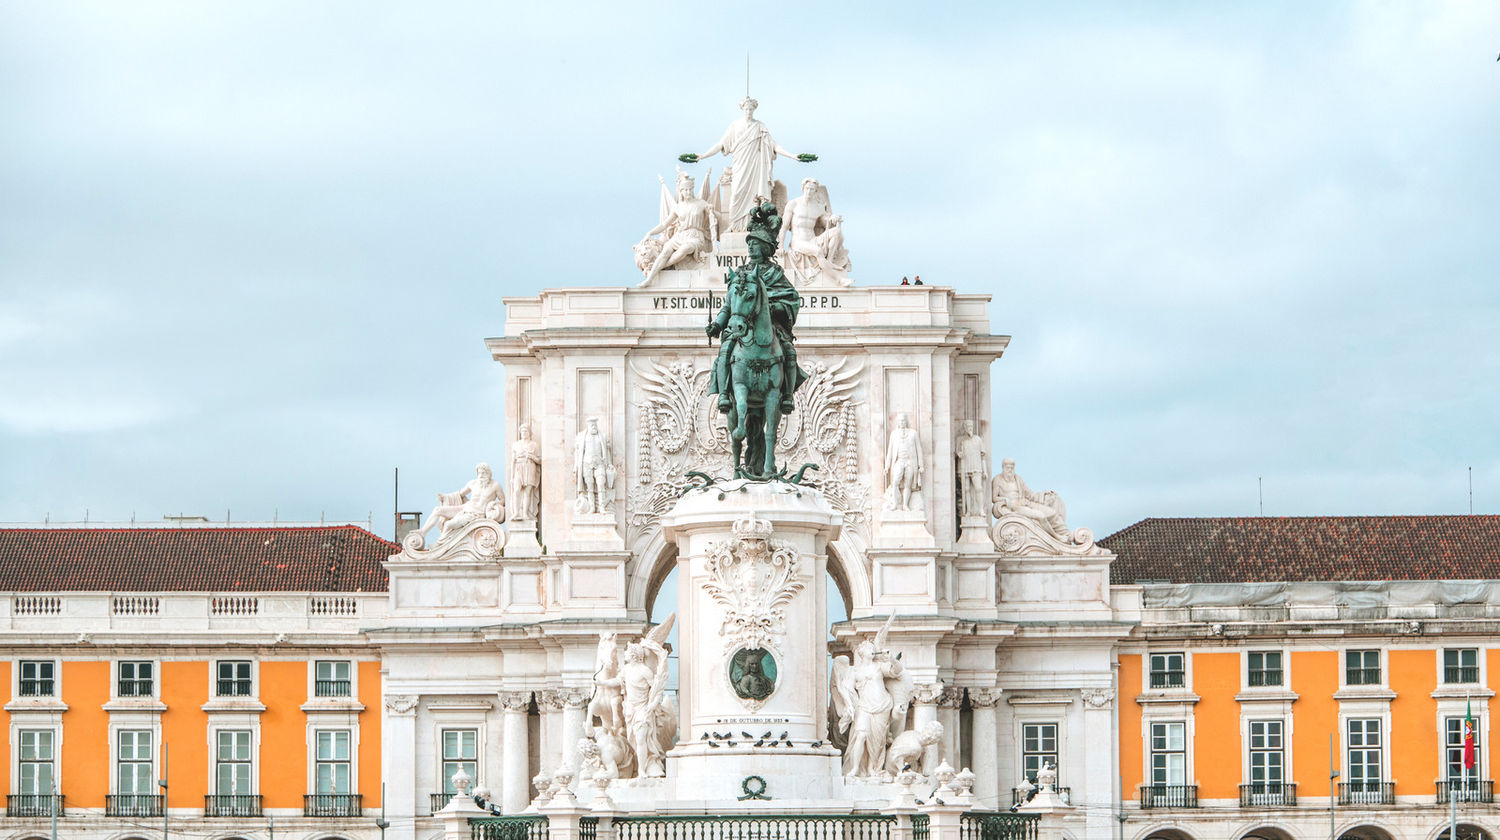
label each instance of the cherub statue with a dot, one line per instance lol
(870, 699)
(910, 748)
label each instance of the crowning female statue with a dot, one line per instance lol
(749, 142)
(756, 372)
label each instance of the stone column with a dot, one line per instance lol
(948, 703)
(400, 738)
(550, 704)
(985, 748)
(574, 702)
(924, 708)
(515, 781)
(1098, 782)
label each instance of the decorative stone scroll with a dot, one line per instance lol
(480, 541)
(754, 577)
(470, 523)
(680, 430)
(1098, 698)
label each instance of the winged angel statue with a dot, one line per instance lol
(637, 721)
(868, 705)
(688, 228)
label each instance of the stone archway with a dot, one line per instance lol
(1166, 833)
(1267, 832)
(1365, 832)
(1468, 831)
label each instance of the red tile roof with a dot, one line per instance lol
(339, 558)
(1307, 548)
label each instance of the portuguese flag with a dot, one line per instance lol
(1468, 735)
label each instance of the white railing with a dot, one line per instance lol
(134, 605)
(36, 605)
(156, 612)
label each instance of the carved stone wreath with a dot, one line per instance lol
(754, 578)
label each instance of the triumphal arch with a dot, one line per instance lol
(635, 619)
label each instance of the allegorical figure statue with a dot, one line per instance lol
(870, 697)
(903, 465)
(482, 498)
(749, 142)
(910, 748)
(972, 469)
(756, 373)
(595, 469)
(648, 718)
(815, 237)
(1011, 495)
(525, 475)
(687, 232)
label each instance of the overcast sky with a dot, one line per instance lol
(249, 252)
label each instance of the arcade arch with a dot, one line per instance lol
(1267, 832)
(1166, 833)
(1365, 832)
(1467, 831)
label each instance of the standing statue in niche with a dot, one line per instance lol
(648, 718)
(749, 142)
(972, 469)
(903, 465)
(869, 701)
(1012, 496)
(481, 498)
(525, 475)
(688, 229)
(757, 373)
(595, 470)
(815, 237)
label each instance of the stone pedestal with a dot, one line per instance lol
(456, 815)
(521, 539)
(751, 575)
(594, 532)
(974, 535)
(904, 529)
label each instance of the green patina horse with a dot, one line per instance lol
(757, 373)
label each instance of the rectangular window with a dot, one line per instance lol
(1364, 756)
(1168, 753)
(37, 679)
(136, 679)
(234, 679)
(233, 763)
(1267, 756)
(1453, 752)
(36, 762)
(460, 752)
(331, 679)
(1167, 670)
(133, 763)
(1461, 665)
(333, 765)
(1038, 748)
(1265, 667)
(1362, 667)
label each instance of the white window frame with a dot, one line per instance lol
(1284, 734)
(1479, 669)
(1380, 659)
(1151, 752)
(57, 686)
(56, 761)
(312, 680)
(233, 723)
(352, 761)
(213, 680)
(1057, 745)
(445, 779)
(1285, 668)
(114, 683)
(1347, 775)
(1187, 670)
(116, 741)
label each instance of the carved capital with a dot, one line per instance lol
(927, 694)
(515, 701)
(574, 698)
(951, 698)
(1098, 698)
(984, 698)
(401, 705)
(550, 700)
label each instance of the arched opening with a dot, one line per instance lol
(1168, 834)
(1366, 832)
(1467, 831)
(1267, 832)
